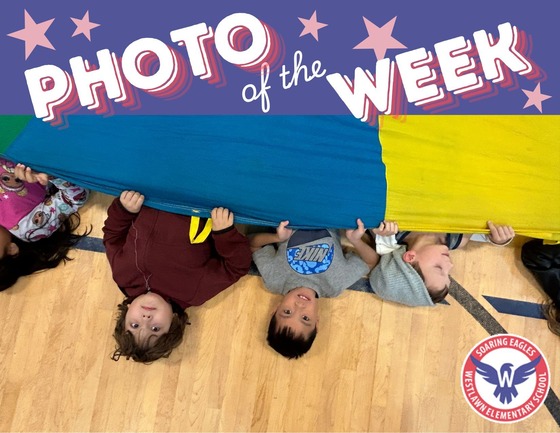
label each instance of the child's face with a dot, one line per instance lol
(148, 317)
(435, 264)
(298, 310)
(7, 247)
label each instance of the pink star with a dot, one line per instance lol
(84, 26)
(33, 34)
(379, 39)
(535, 97)
(311, 26)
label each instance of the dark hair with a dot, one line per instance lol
(46, 253)
(543, 261)
(164, 345)
(552, 314)
(286, 343)
(436, 296)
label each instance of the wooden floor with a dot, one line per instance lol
(374, 366)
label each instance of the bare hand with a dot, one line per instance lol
(132, 201)
(222, 218)
(499, 234)
(386, 228)
(283, 231)
(27, 175)
(355, 235)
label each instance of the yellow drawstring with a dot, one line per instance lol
(195, 222)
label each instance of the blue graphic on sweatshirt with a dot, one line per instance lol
(311, 258)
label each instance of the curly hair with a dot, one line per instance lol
(146, 353)
(286, 343)
(43, 254)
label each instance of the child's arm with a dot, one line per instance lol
(48, 215)
(282, 234)
(232, 246)
(120, 215)
(385, 239)
(234, 258)
(66, 201)
(26, 174)
(367, 253)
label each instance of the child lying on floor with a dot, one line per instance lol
(414, 266)
(163, 265)
(38, 217)
(303, 266)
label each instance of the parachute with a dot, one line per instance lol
(440, 173)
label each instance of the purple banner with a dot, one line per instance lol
(293, 57)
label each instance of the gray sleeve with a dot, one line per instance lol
(264, 258)
(354, 269)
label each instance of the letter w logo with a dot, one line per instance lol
(505, 376)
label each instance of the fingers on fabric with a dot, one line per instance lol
(25, 173)
(500, 234)
(283, 231)
(360, 225)
(354, 234)
(42, 178)
(132, 201)
(283, 225)
(359, 231)
(387, 228)
(221, 218)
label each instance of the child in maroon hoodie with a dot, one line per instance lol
(163, 265)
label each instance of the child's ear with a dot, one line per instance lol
(13, 249)
(409, 256)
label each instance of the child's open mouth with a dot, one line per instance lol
(305, 298)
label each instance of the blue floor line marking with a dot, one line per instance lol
(516, 308)
(89, 243)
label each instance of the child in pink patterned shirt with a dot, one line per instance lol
(37, 217)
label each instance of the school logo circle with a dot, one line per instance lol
(505, 378)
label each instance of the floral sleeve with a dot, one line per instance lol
(47, 216)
